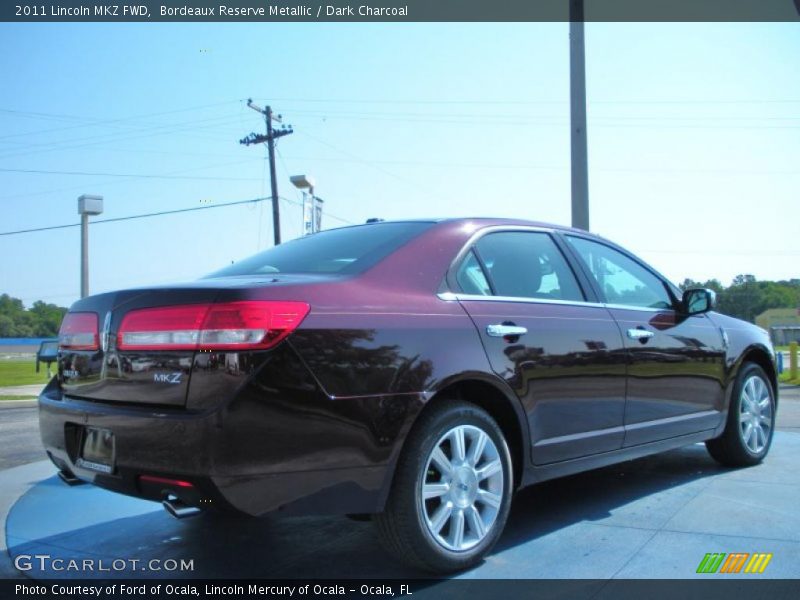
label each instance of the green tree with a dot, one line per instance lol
(42, 320)
(746, 297)
(47, 318)
(6, 326)
(741, 298)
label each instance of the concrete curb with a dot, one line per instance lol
(32, 391)
(17, 403)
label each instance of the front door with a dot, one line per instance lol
(563, 356)
(676, 370)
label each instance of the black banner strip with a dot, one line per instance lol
(714, 587)
(400, 11)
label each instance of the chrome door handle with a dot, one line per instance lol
(501, 330)
(640, 334)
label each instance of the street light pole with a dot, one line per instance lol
(312, 206)
(577, 102)
(87, 205)
(84, 255)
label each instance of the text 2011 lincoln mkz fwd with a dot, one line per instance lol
(418, 371)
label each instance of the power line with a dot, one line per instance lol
(369, 163)
(490, 116)
(148, 131)
(113, 182)
(161, 213)
(606, 122)
(131, 217)
(531, 102)
(129, 175)
(535, 167)
(92, 121)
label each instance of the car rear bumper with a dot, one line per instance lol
(279, 447)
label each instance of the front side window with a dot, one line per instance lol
(527, 264)
(620, 279)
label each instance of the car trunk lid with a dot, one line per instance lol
(103, 371)
(140, 346)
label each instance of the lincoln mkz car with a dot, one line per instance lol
(419, 372)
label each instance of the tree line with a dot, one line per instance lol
(40, 320)
(744, 298)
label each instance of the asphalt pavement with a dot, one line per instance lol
(19, 432)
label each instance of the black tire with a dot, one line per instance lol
(735, 448)
(403, 526)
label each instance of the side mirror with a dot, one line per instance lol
(699, 300)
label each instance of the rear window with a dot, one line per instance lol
(347, 250)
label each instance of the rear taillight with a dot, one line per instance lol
(79, 331)
(249, 325)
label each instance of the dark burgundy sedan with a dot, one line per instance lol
(418, 371)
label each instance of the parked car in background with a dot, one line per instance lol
(417, 371)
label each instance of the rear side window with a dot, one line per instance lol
(527, 265)
(471, 278)
(348, 250)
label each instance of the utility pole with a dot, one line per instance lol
(272, 135)
(577, 103)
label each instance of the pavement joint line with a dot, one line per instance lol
(633, 555)
(749, 505)
(618, 526)
(733, 535)
(709, 481)
(559, 522)
(663, 527)
(762, 481)
(759, 482)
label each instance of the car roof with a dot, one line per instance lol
(479, 221)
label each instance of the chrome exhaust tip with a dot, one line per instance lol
(69, 478)
(178, 508)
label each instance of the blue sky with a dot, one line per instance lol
(694, 139)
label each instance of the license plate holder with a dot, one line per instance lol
(97, 450)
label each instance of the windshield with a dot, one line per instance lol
(348, 250)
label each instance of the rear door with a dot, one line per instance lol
(561, 354)
(675, 377)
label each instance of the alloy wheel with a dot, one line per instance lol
(462, 490)
(755, 414)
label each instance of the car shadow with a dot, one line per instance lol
(642, 493)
